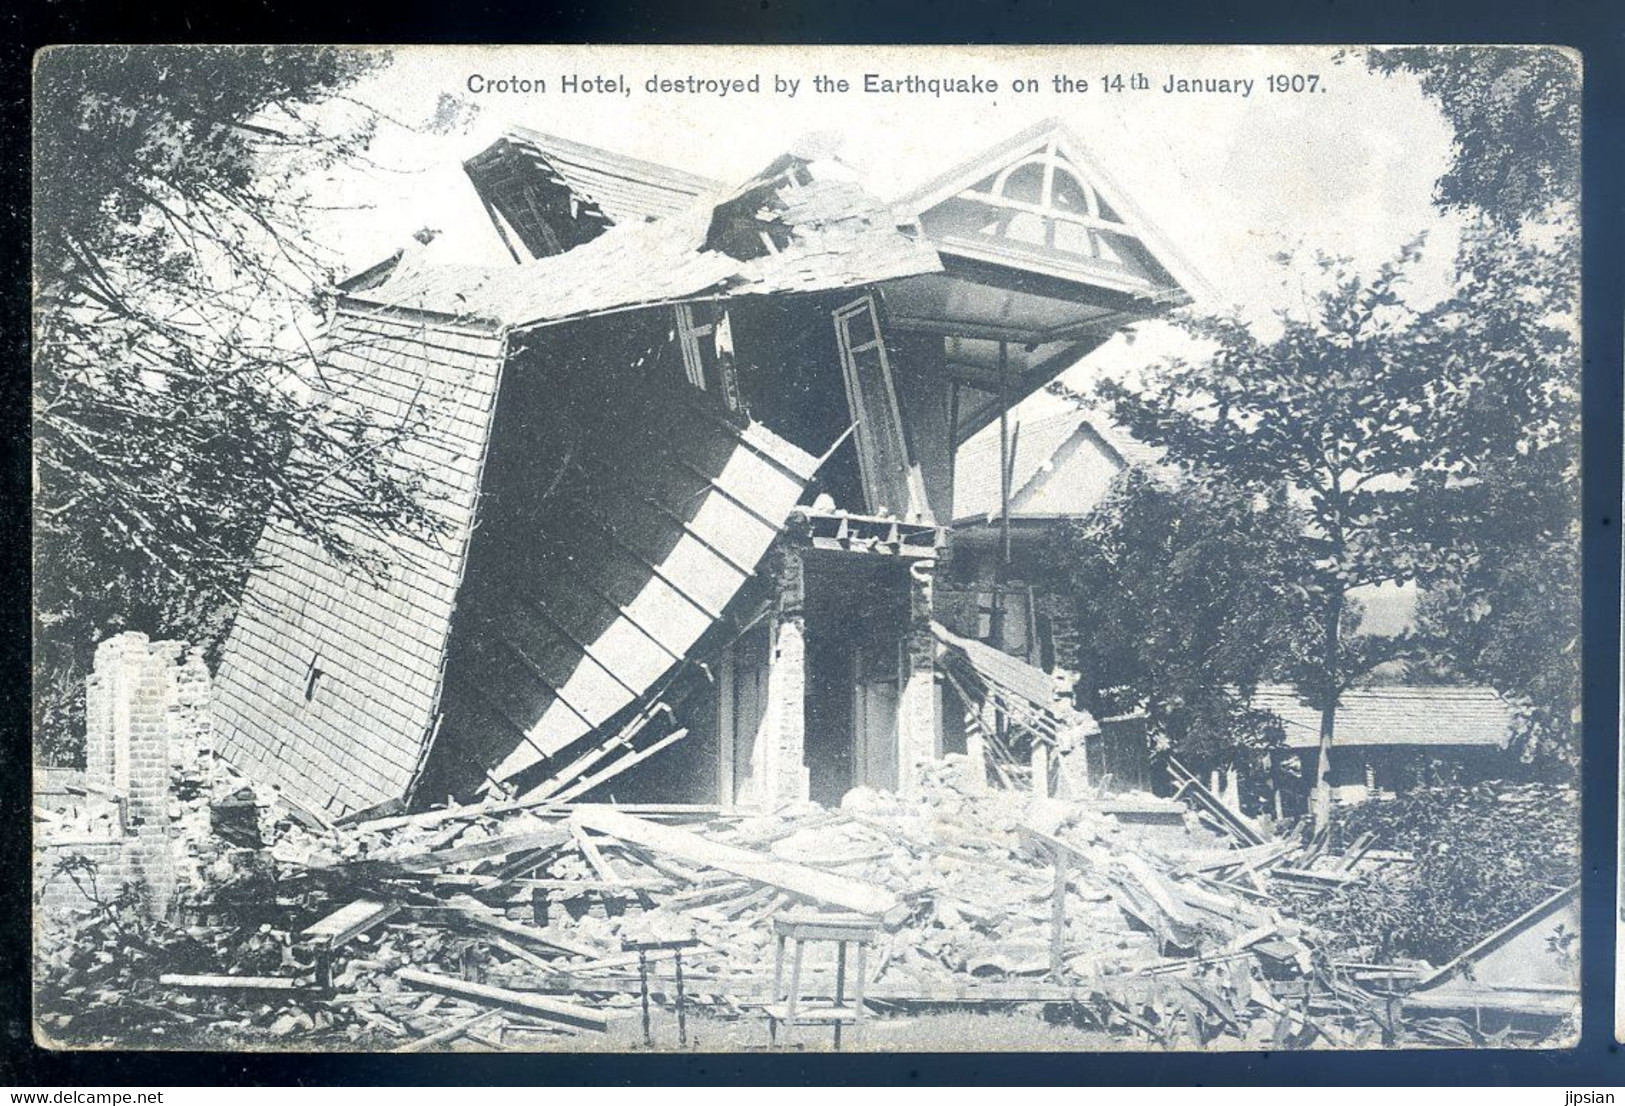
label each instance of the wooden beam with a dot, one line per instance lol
(476, 913)
(449, 1033)
(232, 982)
(797, 879)
(564, 1013)
(610, 771)
(431, 860)
(349, 922)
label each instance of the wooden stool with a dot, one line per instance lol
(787, 1005)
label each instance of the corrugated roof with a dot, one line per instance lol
(838, 237)
(328, 683)
(1063, 466)
(1422, 716)
(583, 592)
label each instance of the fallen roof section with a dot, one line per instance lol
(834, 235)
(329, 683)
(577, 604)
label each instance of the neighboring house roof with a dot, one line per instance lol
(513, 175)
(1062, 467)
(1419, 716)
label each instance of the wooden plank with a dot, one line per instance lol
(823, 887)
(610, 771)
(1235, 823)
(479, 850)
(349, 922)
(1161, 891)
(450, 1033)
(477, 914)
(232, 982)
(595, 859)
(586, 885)
(564, 1013)
(1308, 875)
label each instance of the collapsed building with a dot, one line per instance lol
(693, 454)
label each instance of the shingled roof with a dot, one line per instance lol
(529, 178)
(329, 682)
(1409, 715)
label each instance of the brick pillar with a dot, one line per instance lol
(919, 738)
(133, 703)
(782, 775)
(110, 693)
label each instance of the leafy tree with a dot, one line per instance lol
(1364, 414)
(1175, 583)
(1516, 115)
(1510, 616)
(178, 400)
(1484, 854)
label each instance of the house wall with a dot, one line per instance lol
(1041, 623)
(1362, 772)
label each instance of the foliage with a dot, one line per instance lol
(1361, 413)
(178, 402)
(1176, 586)
(1510, 617)
(1516, 115)
(1485, 855)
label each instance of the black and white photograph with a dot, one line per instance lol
(874, 549)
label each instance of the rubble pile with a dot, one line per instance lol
(510, 925)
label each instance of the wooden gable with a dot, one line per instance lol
(1044, 259)
(1040, 204)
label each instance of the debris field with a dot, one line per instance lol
(1146, 922)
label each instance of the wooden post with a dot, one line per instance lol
(1001, 576)
(726, 725)
(1057, 914)
(840, 987)
(643, 977)
(1040, 766)
(682, 1011)
(778, 990)
(857, 994)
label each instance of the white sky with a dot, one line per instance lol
(1231, 181)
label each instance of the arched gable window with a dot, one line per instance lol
(1043, 202)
